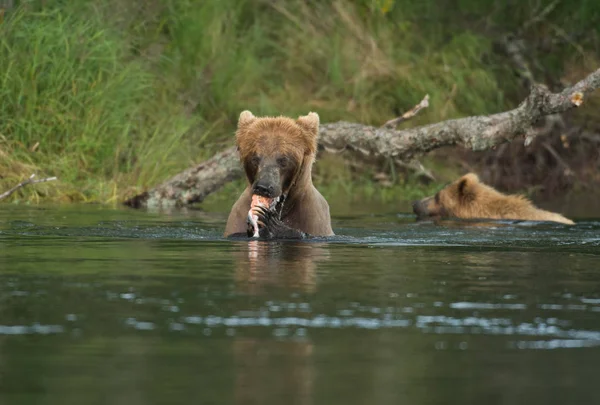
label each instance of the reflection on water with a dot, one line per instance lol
(119, 306)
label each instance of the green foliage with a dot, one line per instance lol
(74, 104)
(113, 96)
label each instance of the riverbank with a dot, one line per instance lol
(114, 98)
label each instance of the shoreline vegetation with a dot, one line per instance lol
(114, 98)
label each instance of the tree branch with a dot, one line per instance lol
(23, 184)
(409, 114)
(194, 184)
(515, 48)
(539, 17)
(476, 133)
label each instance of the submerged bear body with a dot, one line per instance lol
(277, 154)
(469, 198)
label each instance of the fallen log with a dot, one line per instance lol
(194, 184)
(367, 142)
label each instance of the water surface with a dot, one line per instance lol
(119, 306)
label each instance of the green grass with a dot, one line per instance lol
(113, 97)
(72, 105)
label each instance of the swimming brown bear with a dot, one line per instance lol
(280, 201)
(468, 197)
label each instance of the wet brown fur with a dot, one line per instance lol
(304, 208)
(469, 198)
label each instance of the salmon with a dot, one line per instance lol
(259, 201)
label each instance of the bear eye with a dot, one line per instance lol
(255, 160)
(437, 198)
(282, 161)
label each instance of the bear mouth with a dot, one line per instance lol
(271, 204)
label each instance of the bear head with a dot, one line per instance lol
(458, 199)
(277, 153)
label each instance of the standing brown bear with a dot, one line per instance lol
(467, 198)
(280, 201)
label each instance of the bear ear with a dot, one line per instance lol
(472, 177)
(246, 117)
(309, 122)
(465, 185)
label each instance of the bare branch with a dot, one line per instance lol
(567, 169)
(550, 123)
(414, 165)
(30, 180)
(417, 168)
(539, 17)
(194, 184)
(515, 48)
(476, 133)
(393, 123)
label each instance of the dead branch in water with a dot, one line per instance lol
(367, 142)
(30, 180)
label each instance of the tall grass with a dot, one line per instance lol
(74, 104)
(113, 97)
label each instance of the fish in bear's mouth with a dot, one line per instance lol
(271, 204)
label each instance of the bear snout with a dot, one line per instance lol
(264, 190)
(268, 182)
(420, 208)
(416, 206)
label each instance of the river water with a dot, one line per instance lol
(114, 306)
